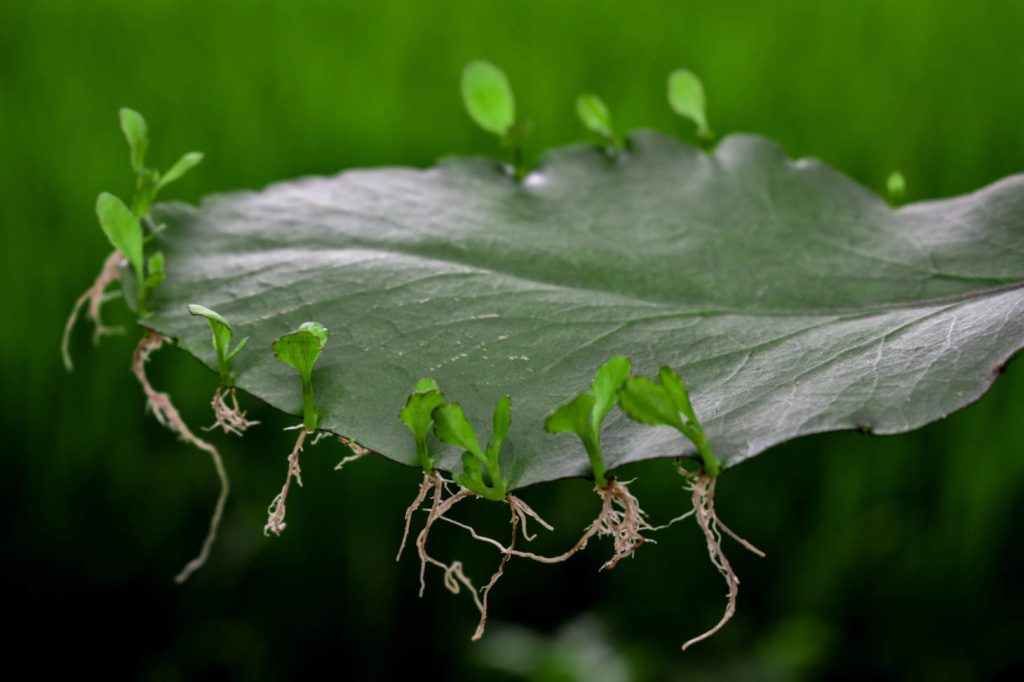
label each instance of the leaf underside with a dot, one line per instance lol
(793, 300)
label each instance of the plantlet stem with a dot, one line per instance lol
(166, 414)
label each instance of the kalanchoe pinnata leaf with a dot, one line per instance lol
(488, 97)
(301, 349)
(133, 125)
(594, 114)
(181, 166)
(123, 230)
(686, 95)
(418, 416)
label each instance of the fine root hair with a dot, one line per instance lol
(229, 417)
(94, 296)
(702, 488)
(167, 415)
(276, 511)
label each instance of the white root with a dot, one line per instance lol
(167, 415)
(230, 418)
(276, 511)
(703, 489)
(94, 296)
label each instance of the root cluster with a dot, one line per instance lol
(94, 296)
(229, 418)
(167, 415)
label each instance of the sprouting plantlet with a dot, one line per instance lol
(487, 95)
(686, 96)
(452, 427)
(418, 415)
(229, 418)
(584, 414)
(668, 404)
(597, 118)
(124, 228)
(896, 187)
(299, 349)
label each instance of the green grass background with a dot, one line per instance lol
(894, 557)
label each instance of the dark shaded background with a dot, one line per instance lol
(894, 557)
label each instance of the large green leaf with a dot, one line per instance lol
(793, 300)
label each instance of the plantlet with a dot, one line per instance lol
(686, 96)
(124, 229)
(487, 95)
(896, 188)
(230, 418)
(299, 349)
(668, 404)
(418, 415)
(452, 427)
(594, 114)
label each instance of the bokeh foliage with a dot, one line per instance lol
(887, 556)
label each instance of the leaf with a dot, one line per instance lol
(452, 427)
(222, 333)
(649, 403)
(180, 167)
(301, 348)
(686, 95)
(502, 420)
(676, 388)
(573, 417)
(793, 300)
(155, 271)
(488, 97)
(418, 416)
(122, 229)
(133, 125)
(595, 115)
(607, 380)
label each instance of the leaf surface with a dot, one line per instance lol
(792, 300)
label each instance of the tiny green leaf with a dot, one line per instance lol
(686, 95)
(573, 417)
(155, 274)
(488, 97)
(502, 422)
(649, 403)
(301, 349)
(123, 230)
(222, 334)
(607, 381)
(182, 166)
(676, 387)
(418, 416)
(452, 427)
(594, 114)
(137, 134)
(896, 187)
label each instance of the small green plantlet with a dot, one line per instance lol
(686, 96)
(667, 404)
(222, 336)
(594, 114)
(301, 349)
(487, 95)
(148, 181)
(896, 187)
(584, 414)
(452, 427)
(418, 415)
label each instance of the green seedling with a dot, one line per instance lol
(667, 404)
(149, 181)
(301, 349)
(487, 95)
(896, 188)
(594, 114)
(686, 96)
(418, 415)
(452, 427)
(584, 414)
(222, 336)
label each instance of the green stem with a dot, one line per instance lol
(596, 462)
(424, 452)
(712, 467)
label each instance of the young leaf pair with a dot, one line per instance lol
(123, 225)
(426, 407)
(658, 404)
(222, 335)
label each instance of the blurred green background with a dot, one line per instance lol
(894, 557)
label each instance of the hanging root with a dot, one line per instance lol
(703, 489)
(228, 418)
(110, 272)
(275, 513)
(165, 413)
(358, 452)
